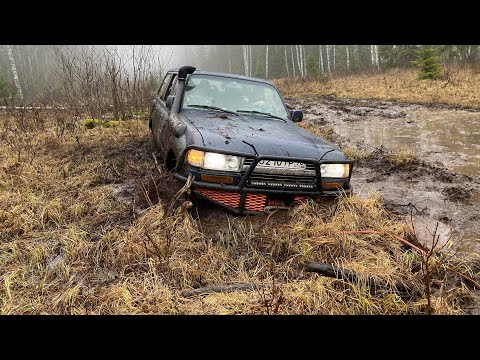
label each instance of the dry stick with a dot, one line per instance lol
(413, 246)
(155, 245)
(156, 187)
(464, 276)
(269, 215)
(141, 186)
(220, 288)
(157, 164)
(183, 190)
(145, 193)
(427, 272)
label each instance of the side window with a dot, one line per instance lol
(173, 88)
(165, 83)
(170, 87)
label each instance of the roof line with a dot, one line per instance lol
(230, 75)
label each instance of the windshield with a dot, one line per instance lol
(242, 96)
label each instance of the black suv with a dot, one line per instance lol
(235, 135)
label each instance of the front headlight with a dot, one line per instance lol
(335, 170)
(214, 161)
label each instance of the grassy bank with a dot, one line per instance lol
(460, 87)
(85, 229)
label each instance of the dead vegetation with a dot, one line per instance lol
(460, 87)
(88, 227)
(402, 157)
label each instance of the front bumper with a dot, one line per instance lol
(247, 200)
(242, 198)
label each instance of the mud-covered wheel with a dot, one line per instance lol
(171, 161)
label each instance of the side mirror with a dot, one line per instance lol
(170, 100)
(296, 115)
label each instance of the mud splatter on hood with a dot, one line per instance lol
(268, 136)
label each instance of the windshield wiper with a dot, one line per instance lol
(261, 113)
(212, 108)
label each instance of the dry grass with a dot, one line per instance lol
(460, 86)
(70, 245)
(325, 132)
(403, 157)
(399, 158)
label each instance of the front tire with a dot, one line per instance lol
(171, 162)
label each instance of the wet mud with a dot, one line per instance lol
(437, 187)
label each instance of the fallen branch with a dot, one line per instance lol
(464, 276)
(157, 165)
(183, 190)
(269, 215)
(214, 289)
(330, 271)
(344, 274)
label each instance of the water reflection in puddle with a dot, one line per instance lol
(451, 137)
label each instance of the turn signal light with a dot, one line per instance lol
(217, 179)
(333, 185)
(195, 157)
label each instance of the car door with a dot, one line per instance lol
(166, 128)
(159, 110)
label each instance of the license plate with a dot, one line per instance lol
(280, 164)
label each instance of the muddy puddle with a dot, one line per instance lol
(439, 191)
(451, 137)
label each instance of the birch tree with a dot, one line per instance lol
(348, 58)
(31, 72)
(293, 60)
(245, 58)
(374, 56)
(334, 60)
(229, 61)
(320, 62)
(14, 71)
(299, 59)
(304, 58)
(266, 63)
(286, 60)
(250, 59)
(328, 58)
(356, 56)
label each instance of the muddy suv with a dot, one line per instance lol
(236, 137)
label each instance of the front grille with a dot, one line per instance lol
(281, 181)
(286, 179)
(231, 199)
(255, 202)
(247, 162)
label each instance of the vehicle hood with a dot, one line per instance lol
(268, 136)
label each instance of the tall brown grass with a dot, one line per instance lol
(69, 244)
(460, 86)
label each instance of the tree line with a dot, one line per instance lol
(121, 80)
(96, 79)
(280, 61)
